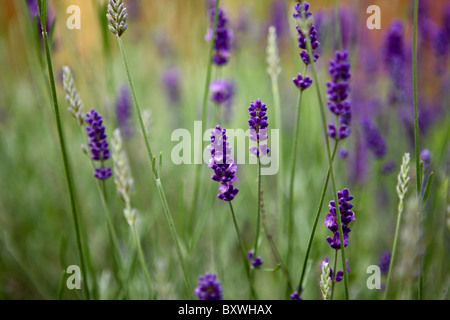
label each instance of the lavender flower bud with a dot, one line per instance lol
(301, 82)
(117, 16)
(72, 97)
(209, 288)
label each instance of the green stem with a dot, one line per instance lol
(339, 40)
(416, 130)
(275, 252)
(155, 172)
(258, 211)
(290, 230)
(258, 217)
(330, 162)
(67, 167)
(198, 169)
(243, 254)
(415, 93)
(316, 220)
(137, 242)
(394, 249)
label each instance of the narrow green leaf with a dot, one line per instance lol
(428, 187)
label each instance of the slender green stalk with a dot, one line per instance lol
(330, 162)
(66, 163)
(155, 171)
(416, 128)
(316, 220)
(258, 211)
(415, 93)
(198, 169)
(290, 230)
(339, 40)
(258, 217)
(243, 254)
(137, 242)
(275, 252)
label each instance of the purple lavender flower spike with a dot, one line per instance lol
(301, 82)
(305, 28)
(222, 164)
(123, 111)
(374, 140)
(224, 35)
(395, 60)
(208, 288)
(338, 94)
(97, 143)
(258, 127)
(347, 216)
(222, 91)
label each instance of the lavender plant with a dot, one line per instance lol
(117, 17)
(99, 151)
(225, 173)
(42, 10)
(310, 43)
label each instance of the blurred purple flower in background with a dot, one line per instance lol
(171, 81)
(374, 141)
(123, 111)
(222, 91)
